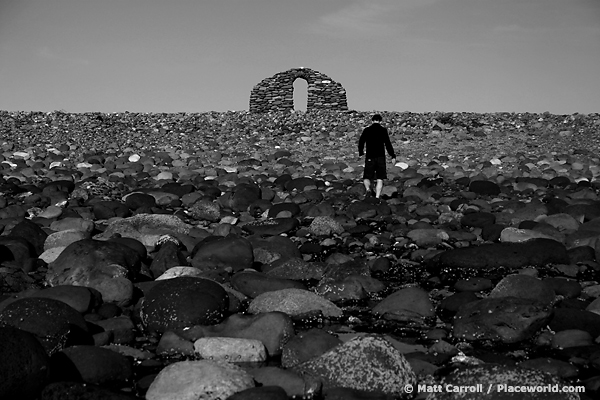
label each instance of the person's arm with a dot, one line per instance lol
(361, 144)
(389, 147)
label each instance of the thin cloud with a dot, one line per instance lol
(368, 18)
(507, 28)
(360, 18)
(576, 35)
(48, 54)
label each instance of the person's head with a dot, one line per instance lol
(377, 118)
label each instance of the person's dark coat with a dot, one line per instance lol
(377, 140)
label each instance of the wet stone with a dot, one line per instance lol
(293, 302)
(295, 268)
(525, 287)
(499, 378)
(450, 305)
(512, 255)
(80, 390)
(306, 346)
(271, 227)
(53, 322)
(270, 249)
(484, 187)
(91, 364)
(273, 329)
(364, 363)
(292, 208)
(205, 210)
(475, 284)
(183, 302)
(230, 349)
(80, 298)
(252, 284)
(407, 305)
(232, 251)
(25, 366)
(570, 318)
(179, 380)
(568, 288)
(504, 319)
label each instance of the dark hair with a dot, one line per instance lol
(377, 118)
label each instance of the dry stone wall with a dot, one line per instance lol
(277, 92)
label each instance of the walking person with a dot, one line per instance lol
(377, 141)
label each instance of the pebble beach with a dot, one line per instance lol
(237, 255)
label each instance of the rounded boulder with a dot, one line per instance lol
(183, 302)
(25, 365)
(54, 323)
(180, 381)
(231, 251)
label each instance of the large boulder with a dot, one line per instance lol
(293, 302)
(91, 364)
(53, 322)
(147, 228)
(81, 391)
(252, 283)
(240, 197)
(230, 349)
(169, 255)
(106, 266)
(503, 319)
(366, 363)
(408, 304)
(496, 380)
(204, 379)
(22, 249)
(139, 200)
(79, 261)
(524, 286)
(109, 209)
(231, 251)
(273, 248)
(325, 226)
(32, 232)
(81, 298)
(205, 210)
(183, 302)
(25, 365)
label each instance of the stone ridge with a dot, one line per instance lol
(230, 135)
(276, 93)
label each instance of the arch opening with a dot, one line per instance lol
(300, 96)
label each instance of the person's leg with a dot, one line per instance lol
(378, 188)
(367, 183)
(369, 174)
(380, 175)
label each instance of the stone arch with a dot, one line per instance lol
(277, 92)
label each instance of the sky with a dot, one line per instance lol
(390, 55)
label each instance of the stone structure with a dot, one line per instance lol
(277, 92)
